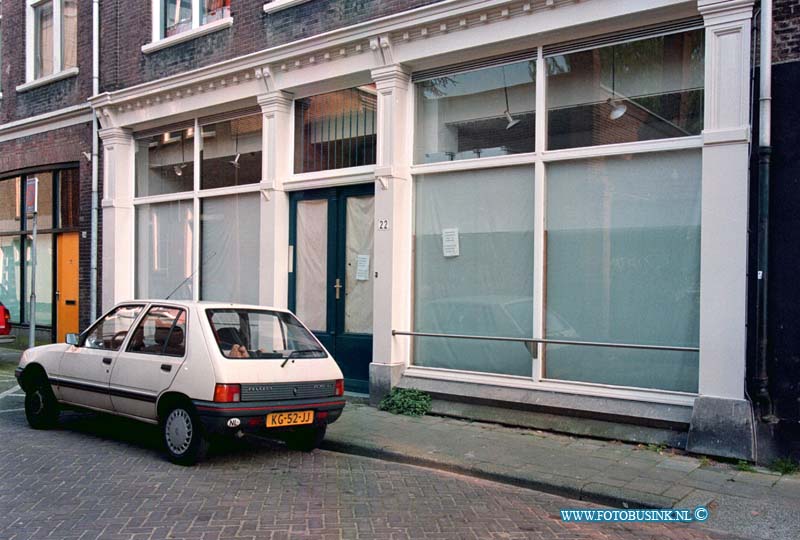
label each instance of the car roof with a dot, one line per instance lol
(201, 304)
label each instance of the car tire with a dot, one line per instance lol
(183, 436)
(41, 406)
(306, 439)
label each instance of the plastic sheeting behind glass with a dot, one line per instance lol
(311, 269)
(473, 269)
(637, 91)
(44, 278)
(10, 265)
(164, 250)
(358, 278)
(623, 266)
(230, 249)
(482, 113)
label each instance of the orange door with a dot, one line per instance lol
(67, 286)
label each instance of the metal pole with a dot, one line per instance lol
(32, 337)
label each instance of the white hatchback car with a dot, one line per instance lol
(193, 368)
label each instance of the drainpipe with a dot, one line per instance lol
(764, 154)
(95, 158)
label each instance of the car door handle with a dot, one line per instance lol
(166, 367)
(107, 361)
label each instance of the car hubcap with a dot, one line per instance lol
(178, 431)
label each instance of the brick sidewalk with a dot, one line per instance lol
(761, 504)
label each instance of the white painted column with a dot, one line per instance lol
(393, 256)
(118, 216)
(276, 166)
(723, 246)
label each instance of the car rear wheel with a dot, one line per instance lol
(41, 407)
(183, 436)
(307, 438)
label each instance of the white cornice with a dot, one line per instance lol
(49, 121)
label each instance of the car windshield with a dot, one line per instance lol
(250, 333)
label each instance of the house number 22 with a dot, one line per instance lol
(383, 224)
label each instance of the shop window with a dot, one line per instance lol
(53, 45)
(44, 278)
(165, 163)
(164, 250)
(10, 205)
(643, 90)
(44, 217)
(623, 266)
(473, 269)
(231, 152)
(10, 264)
(481, 113)
(230, 248)
(335, 130)
(68, 197)
(178, 16)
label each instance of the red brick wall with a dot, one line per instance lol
(56, 147)
(57, 95)
(786, 30)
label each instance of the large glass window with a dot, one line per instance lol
(232, 152)
(473, 245)
(179, 16)
(230, 248)
(53, 45)
(10, 205)
(482, 113)
(647, 89)
(10, 265)
(44, 278)
(335, 130)
(165, 163)
(164, 263)
(623, 266)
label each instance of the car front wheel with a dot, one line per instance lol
(183, 436)
(41, 407)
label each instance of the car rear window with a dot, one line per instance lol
(250, 333)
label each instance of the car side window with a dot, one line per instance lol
(161, 331)
(110, 331)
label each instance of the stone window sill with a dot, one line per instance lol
(277, 5)
(189, 35)
(65, 74)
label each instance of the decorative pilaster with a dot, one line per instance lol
(118, 216)
(276, 166)
(393, 227)
(723, 286)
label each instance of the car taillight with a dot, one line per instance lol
(5, 320)
(340, 387)
(227, 393)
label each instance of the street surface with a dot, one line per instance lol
(101, 477)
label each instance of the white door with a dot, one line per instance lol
(150, 361)
(85, 369)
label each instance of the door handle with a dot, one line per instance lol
(338, 287)
(107, 361)
(166, 367)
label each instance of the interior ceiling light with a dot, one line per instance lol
(235, 161)
(618, 108)
(507, 113)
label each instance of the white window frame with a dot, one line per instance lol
(538, 160)
(278, 5)
(158, 41)
(31, 80)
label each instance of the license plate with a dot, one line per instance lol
(295, 418)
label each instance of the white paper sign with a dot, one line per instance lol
(362, 268)
(450, 243)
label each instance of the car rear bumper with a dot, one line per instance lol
(219, 418)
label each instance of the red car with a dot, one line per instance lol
(5, 320)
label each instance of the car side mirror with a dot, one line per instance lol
(72, 339)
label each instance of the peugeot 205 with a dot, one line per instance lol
(195, 369)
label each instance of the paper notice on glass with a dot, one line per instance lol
(362, 268)
(450, 242)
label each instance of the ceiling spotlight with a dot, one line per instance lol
(235, 162)
(511, 120)
(178, 169)
(617, 109)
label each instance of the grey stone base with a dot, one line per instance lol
(722, 427)
(382, 378)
